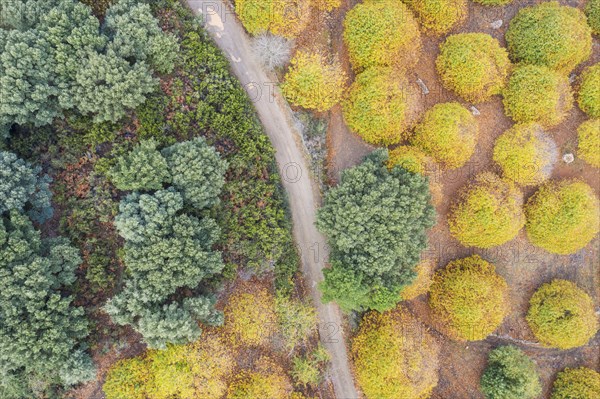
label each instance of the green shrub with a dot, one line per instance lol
(469, 299)
(487, 213)
(510, 374)
(473, 65)
(588, 96)
(588, 147)
(297, 320)
(526, 154)
(580, 383)
(592, 10)
(126, 379)
(551, 35)
(562, 315)
(376, 233)
(286, 18)
(381, 33)
(314, 83)
(381, 106)
(563, 216)
(537, 94)
(144, 168)
(394, 356)
(448, 133)
(439, 16)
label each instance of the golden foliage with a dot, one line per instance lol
(588, 147)
(421, 284)
(562, 315)
(381, 33)
(326, 5)
(266, 380)
(487, 213)
(473, 65)
(394, 356)
(526, 154)
(448, 133)
(197, 370)
(250, 318)
(439, 16)
(579, 383)
(563, 216)
(469, 298)
(314, 83)
(537, 94)
(381, 106)
(285, 18)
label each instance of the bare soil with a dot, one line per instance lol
(524, 266)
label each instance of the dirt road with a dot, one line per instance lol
(293, 166)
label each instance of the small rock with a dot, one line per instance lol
(497, 24)
(423, 86)
(568, 158)
(475, 111)
(572, 78)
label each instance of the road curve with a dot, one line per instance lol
(303, 195)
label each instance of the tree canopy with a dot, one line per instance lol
(56, 56)
(510, 374)
(168, 244)
(40, 330)
(375, 221)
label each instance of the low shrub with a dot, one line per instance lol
(381, 106)
(297, 320)
(394, 356)
(537, 94)
(562, 315)
(473, 65)
(312, 82)
(563, 216)
(197, 370)
(272, 51)
(266, 380)
(510, 374)
(127, 379)
(326, 5)
(551, 35)
(439, 16)
(448, 133)
(381, 33)
(286, 18)
(487, 213)
(588, 147)
(588, 96)
(526, 154)
(469, 299)
(579, 383)
(250, 318)
(592, 10)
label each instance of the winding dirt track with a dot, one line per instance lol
(302, 191)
